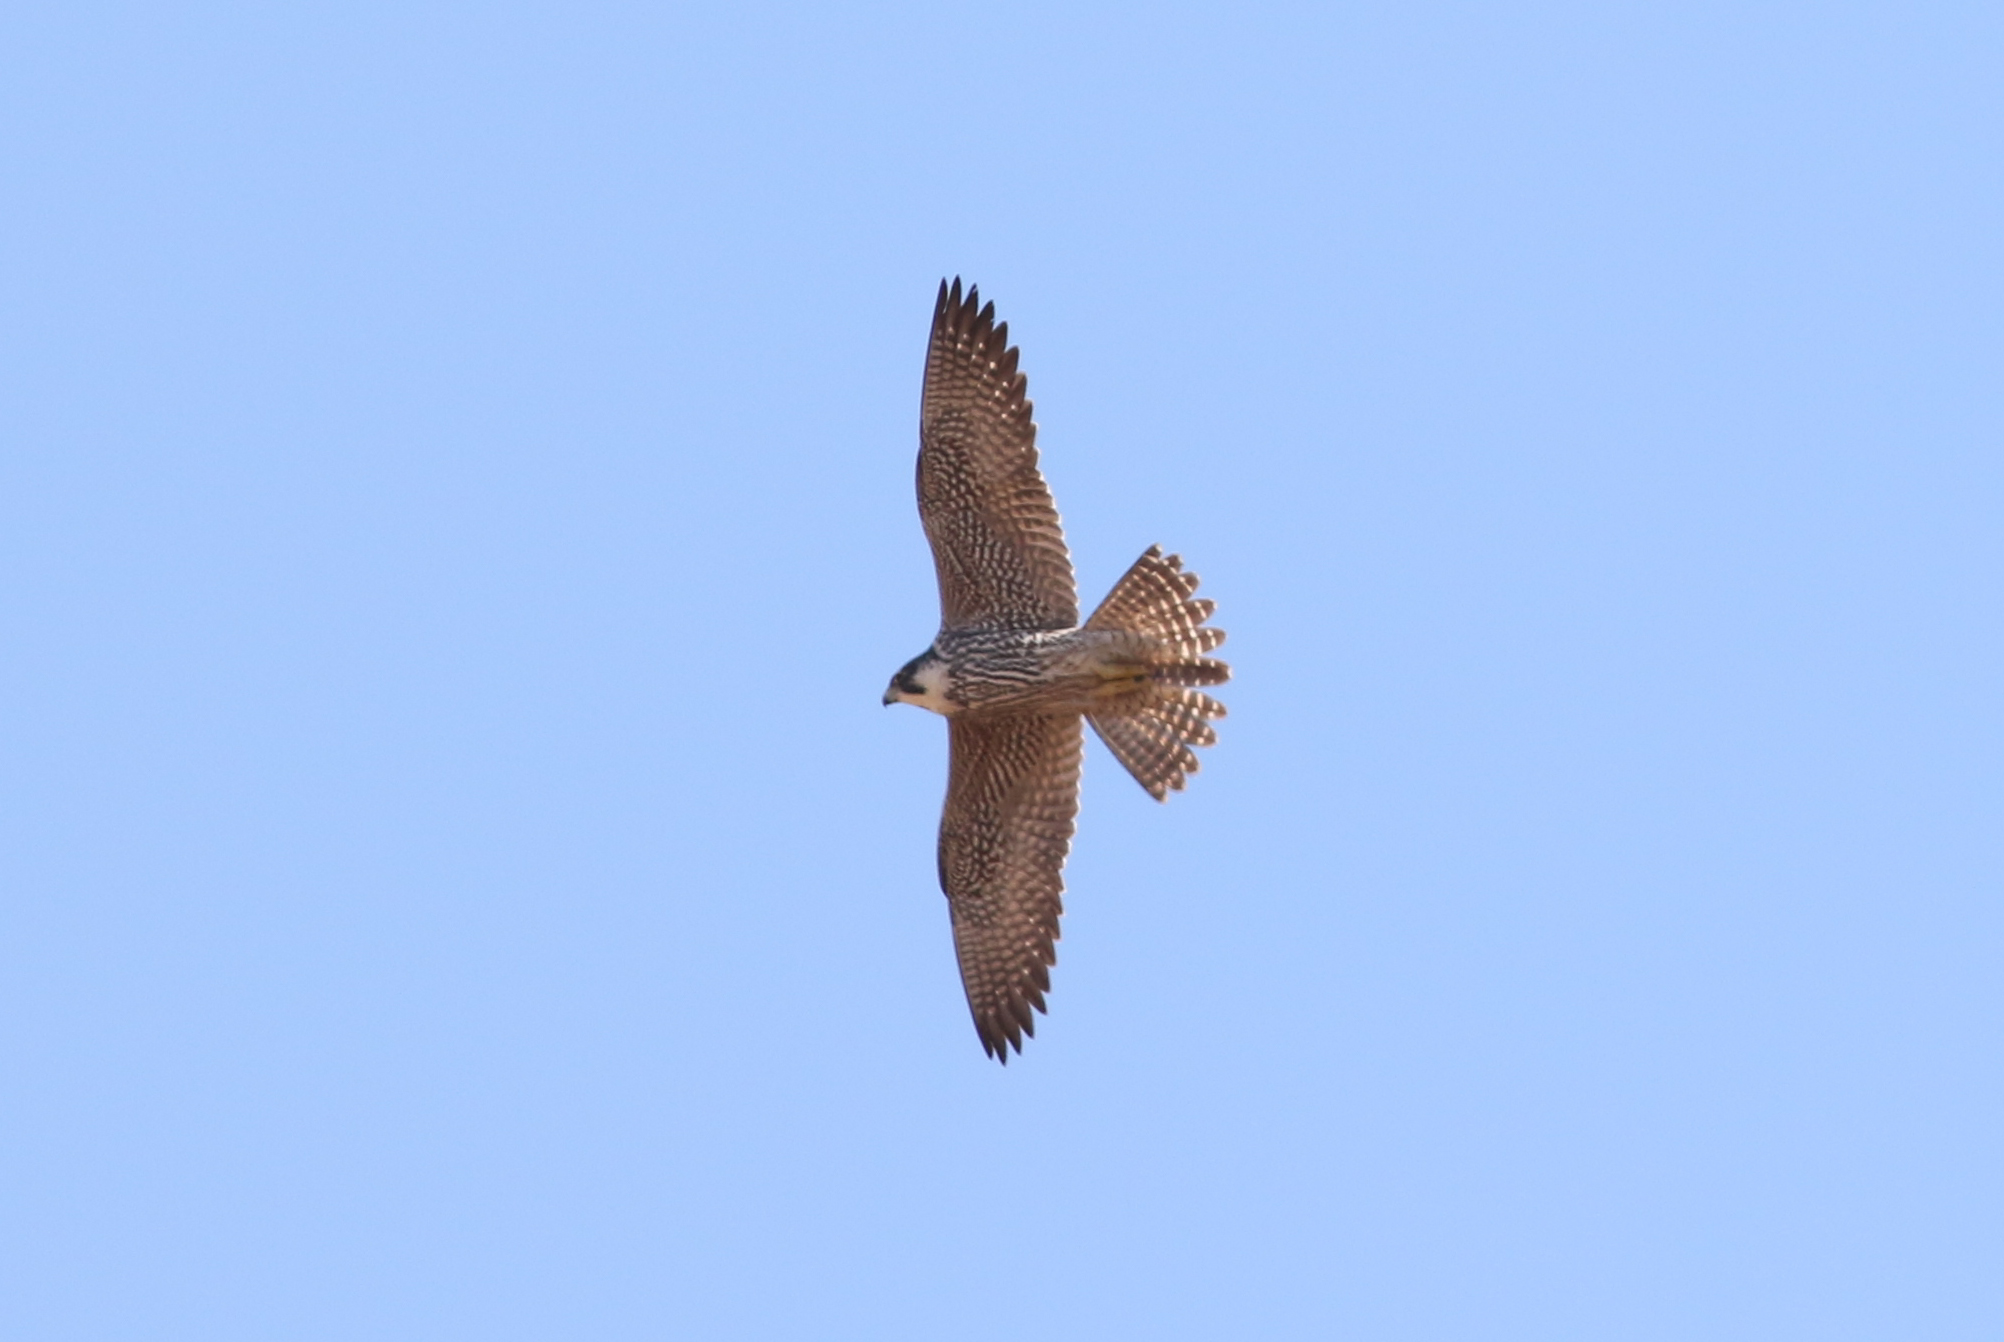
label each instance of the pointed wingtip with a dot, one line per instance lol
(1007, 1029)
(998, 1048)
(962, 308)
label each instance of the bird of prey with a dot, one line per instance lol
(1015, 674)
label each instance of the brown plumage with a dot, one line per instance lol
(1014, 672)
(994, 530)
(1012, 793)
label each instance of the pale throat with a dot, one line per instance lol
(931, 680)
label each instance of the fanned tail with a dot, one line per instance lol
(1151, 730)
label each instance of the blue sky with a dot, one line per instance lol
(456, 526)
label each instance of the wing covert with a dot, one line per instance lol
(996, 540)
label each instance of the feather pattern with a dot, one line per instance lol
(1011, 800)
(996, 540)
(1151, 730)
(1151, 735)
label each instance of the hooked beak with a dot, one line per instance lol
(890, 696)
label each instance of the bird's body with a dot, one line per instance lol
(1016, 674)
(1035, 671)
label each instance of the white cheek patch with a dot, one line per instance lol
(931, 680)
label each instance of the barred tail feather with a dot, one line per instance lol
(1203, 671)
(1151, 736)
(1155, 597)
(1151, 731)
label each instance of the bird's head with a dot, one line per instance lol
(921, 681)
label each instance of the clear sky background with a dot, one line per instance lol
(456, 527)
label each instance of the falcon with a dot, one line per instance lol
(1016, 675)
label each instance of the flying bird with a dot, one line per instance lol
(1015, 674)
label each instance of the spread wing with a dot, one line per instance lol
(1010, 800)
(995, 536)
